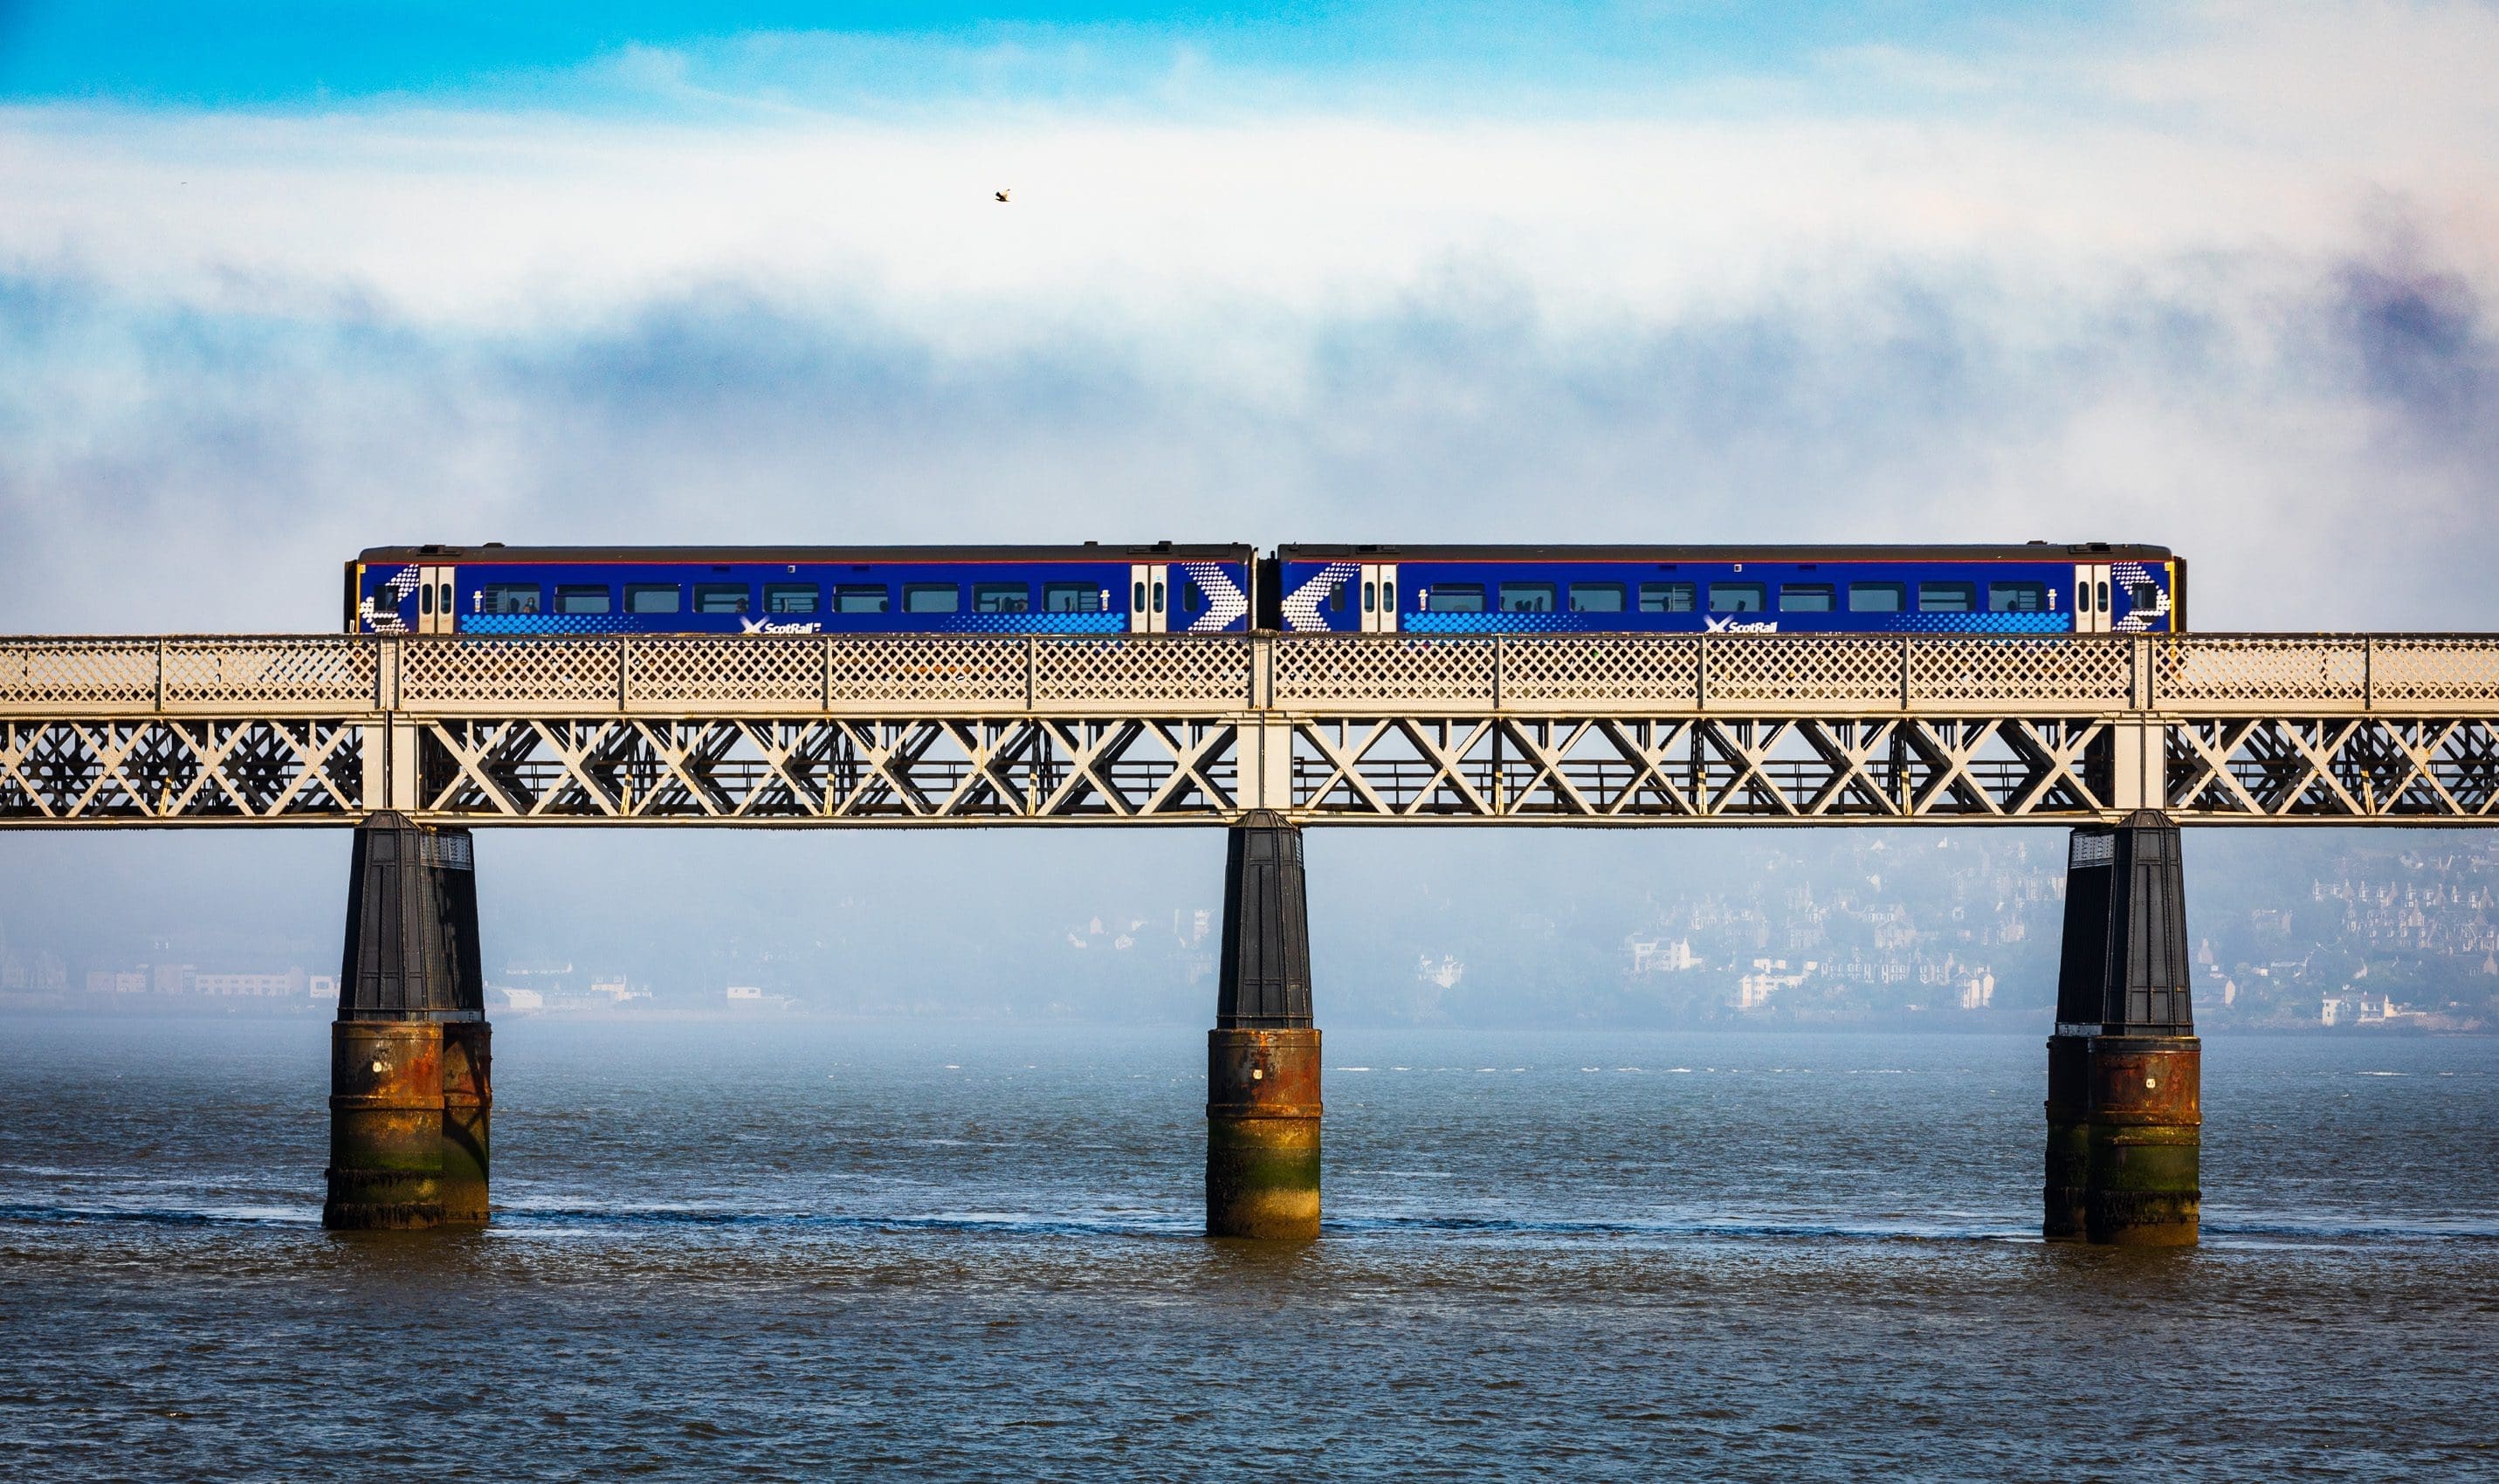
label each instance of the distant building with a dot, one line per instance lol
(294, 984)
(1659, 956)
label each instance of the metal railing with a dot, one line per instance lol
(1788, 674)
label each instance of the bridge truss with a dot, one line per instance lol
(915, 732)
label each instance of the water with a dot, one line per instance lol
(972, 1252)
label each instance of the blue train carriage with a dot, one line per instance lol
(2096, 586)
(1090, 588)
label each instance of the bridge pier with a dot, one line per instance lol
(1262, 1058)
(411, 1061)
(2124, 1067)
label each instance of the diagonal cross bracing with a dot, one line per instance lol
(923, 732)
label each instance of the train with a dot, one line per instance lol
(2037, 588)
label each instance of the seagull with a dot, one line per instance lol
(1002, 195)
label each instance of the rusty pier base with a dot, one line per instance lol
(2125, 1068)
(1262, 1058)
(411, 1085)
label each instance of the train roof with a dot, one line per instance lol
(2034, 551)
(728, 555)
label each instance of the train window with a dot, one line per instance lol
(1666, 596)
(2142, 594)
(1388, 596)
(1371, 597)
(789, 598)
(1190, 599)
(721, 597)
(1947, 596)
(2017, 597)
(1877, 597)
(1001, 597)
(509, 597)
(1073, 597)
(1806, 597)
(572, 597)
(1454, 597)
(651, 598)
(859, 598)
(425, 598)
(1736, 596)
(1336, 596)
(1158, 597)
(1527, 596)
(1136, 599)
(931, 597)
(2104, 607)
(1595, 597)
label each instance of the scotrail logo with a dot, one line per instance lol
(1728, 624)
(767, 626)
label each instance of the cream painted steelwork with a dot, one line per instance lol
(1612, 729)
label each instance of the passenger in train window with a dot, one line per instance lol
(651, 598)
(859, 598)
(1454, 597)
(1071, 597)
(577, 597)
(1666, 596)
(509, 597)
(1595, 597)
(791, 597)
(1947, 596)
(931, 597)
(1736, 596)
(721, 597)
(1001, 597)
(2017, 597)
(1806, 597)
(1527, 596)
(1877, 597)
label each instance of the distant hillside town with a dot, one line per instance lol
(2342, 932)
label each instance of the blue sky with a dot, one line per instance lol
(281, 281)
(297, 55)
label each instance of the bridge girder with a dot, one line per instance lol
(1594, 731)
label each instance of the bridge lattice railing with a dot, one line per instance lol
(1794, 674)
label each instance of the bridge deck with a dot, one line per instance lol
(1610, 729)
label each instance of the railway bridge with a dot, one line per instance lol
(413, 742)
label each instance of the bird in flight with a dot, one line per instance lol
(1002, 195)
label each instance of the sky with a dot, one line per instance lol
(281, 281)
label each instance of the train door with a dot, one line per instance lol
(1148, 605)
(1380, 597)
(435, 613)
(2091, 599)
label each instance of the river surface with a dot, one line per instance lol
(810, 1249)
